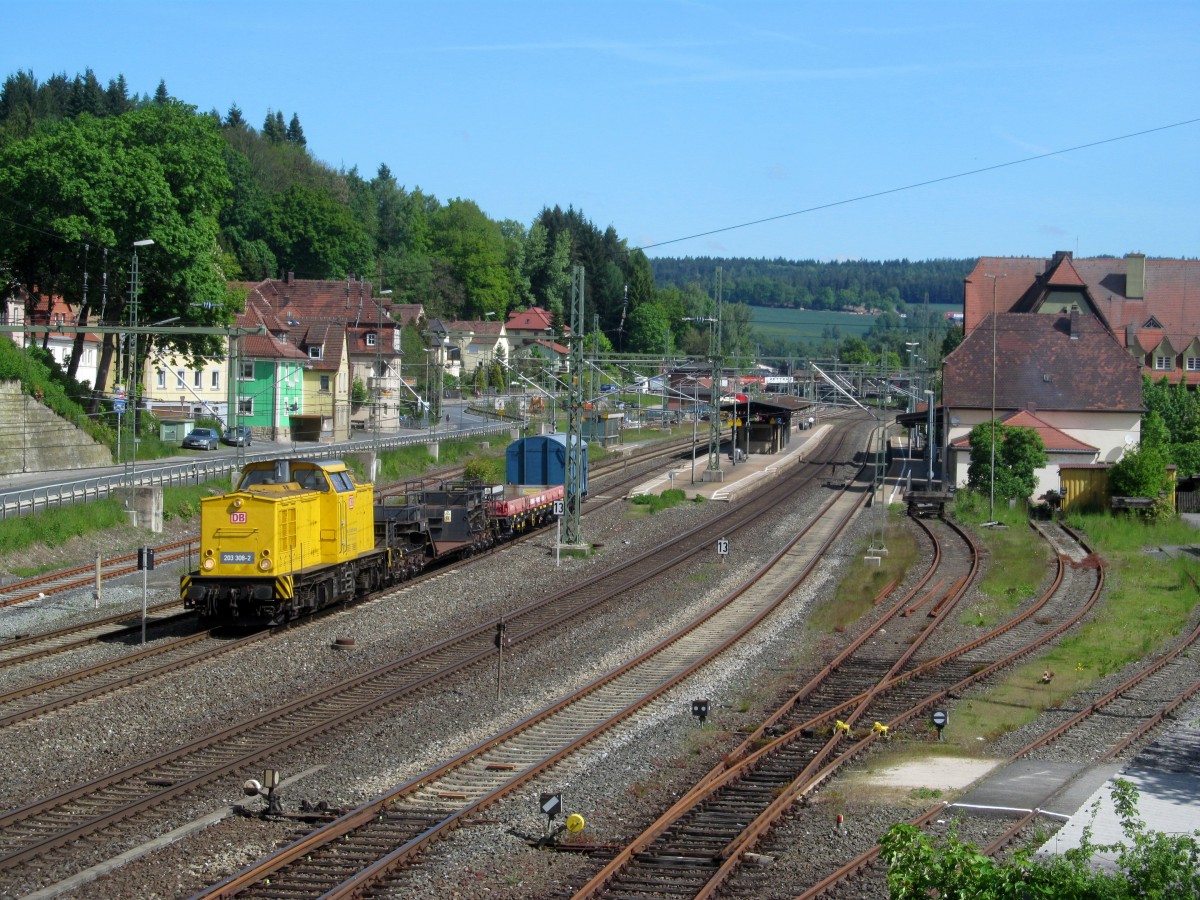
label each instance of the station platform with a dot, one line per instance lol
(1166, 775)
(737, 477)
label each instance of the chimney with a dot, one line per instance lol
(1135, 276)
(1059, 256)
(1074, 323)
(291, 278)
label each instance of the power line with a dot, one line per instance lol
(920, 184)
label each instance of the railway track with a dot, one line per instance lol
(696, 847)
(1104, 727)
(47, 696)
(84, 577)
(26, 648)
(98, 808)
(353, 855)
(40, 698)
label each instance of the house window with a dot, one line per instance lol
(162, 378)
(179, 378)
(216, 379)
(245, 406)
(197, 379)
(370, 340)
(247, 370)
(314, 352)
(1162, 363)
(1193, 363)
(325, 383)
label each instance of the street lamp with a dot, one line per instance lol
(135, 376)
(992, 473)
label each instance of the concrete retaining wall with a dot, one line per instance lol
(34, 439)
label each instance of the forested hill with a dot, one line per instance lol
(809, 284)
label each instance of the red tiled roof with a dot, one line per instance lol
(1041, 365)
(487, 326)
(301, 314)
(534, 320)
(1171, 293)
(1064, 274)
(1054, 440)
(408, 313)
(553, 345)
(260, 346)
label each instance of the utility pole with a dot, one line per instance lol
(377, 447)
(135, 376)
(573, 482)
(595, 357)
(992, 478)
(663, 381)
(714, 424)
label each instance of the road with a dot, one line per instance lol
(24, 485)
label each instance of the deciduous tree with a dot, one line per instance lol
(1019, 453)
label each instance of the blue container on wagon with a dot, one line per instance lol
(542, 460)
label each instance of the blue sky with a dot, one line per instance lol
(669, 118)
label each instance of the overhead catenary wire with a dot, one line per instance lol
(920, 184)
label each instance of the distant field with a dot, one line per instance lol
(810, 324)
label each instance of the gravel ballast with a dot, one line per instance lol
(620, 783)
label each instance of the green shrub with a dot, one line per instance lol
(665, 500)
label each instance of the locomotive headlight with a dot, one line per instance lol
(264, 564)
(237, 503)
(210, 564)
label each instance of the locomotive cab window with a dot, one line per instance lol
(311, 479)
(342, 482)
(256, 476)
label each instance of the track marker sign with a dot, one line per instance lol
(939, 719)
(551, 804)
(722, 548)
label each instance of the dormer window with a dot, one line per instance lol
(1162, 364)
(314, 352)
(371, 339)
(1153, 323)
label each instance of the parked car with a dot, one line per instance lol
(235, 437)
(202, 439)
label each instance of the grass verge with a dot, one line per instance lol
(856, 592)
(1147, 600)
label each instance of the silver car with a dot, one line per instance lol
(202, 439)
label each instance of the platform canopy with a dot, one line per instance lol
(784, 408)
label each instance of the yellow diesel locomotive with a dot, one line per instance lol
(299, 535)
(293, 537)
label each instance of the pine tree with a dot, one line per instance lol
(269, 129)
(161, 97)
(117, 96)
(233, 118)
(295, 134)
